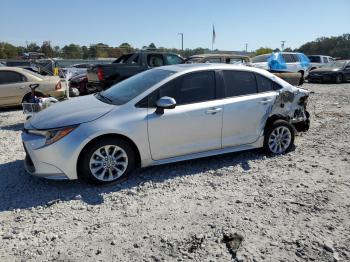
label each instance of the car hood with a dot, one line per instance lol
(325, 70)
(71, 112)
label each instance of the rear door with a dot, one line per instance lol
(245, 108)
(194, 125)
(12, 87)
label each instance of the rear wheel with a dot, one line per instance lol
(301, 81)
(28, 97)
(107, 160)
(279, 138)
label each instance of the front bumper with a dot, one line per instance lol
(55, 161)
(321, 78)
(38, 168)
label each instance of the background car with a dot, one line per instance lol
(164, 115)
(14, 86)
(218, 58)
(319, 60)
(336, 72)
(103, 76)
(283, 62)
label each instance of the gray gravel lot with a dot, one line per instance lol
(242, 206)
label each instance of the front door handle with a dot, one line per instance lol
(22, 87)
(265, 101)
(213, 111)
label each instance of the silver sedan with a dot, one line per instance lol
(164, 115)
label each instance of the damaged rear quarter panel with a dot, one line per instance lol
(290, 104)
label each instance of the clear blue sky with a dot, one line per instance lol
(256, 22)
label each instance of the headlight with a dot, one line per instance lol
(53, 135)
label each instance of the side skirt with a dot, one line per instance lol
(259, 143)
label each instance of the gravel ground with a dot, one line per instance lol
(242, 206)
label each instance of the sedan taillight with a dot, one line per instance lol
(100, 74)
(58, 85)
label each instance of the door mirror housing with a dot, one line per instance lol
(165, 102)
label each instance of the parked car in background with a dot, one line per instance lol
(33, 55)
(80, 83)
(218, 58)
(283, 62)
(319, 60)
(336, 72)
(14, 86)
(101, 77)
(163, 115)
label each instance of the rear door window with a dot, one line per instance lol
(289, 58)
(238, 83)
(8, 77)
(155, 60)
(264, 84)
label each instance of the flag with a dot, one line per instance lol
(214, 36)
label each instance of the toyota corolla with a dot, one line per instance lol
(164, 115)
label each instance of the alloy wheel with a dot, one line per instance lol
(108, 163)
(279, 140)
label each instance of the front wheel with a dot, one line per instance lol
(107, 160)
(279, 138)
(339, 79)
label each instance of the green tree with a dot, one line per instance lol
(263, 50)
(8, 51)
(72, 51)
(33, 47)
(126, 47)
(336, 46)
(152, 45)
(56, 51)
(85, 51)
(47, 49)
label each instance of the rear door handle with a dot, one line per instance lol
(213, 111)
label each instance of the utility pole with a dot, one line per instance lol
(282, 45)
(182, 41)
(246, 47)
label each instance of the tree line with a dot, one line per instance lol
(337, 46)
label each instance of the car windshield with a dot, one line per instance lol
(336, 64)
(130, 88)
(315, 59)
(260, 58)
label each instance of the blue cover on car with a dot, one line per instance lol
(276, 62)
(304, 60)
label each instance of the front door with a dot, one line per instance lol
(194, 125)
(12, 88)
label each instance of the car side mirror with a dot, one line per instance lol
(165, 102)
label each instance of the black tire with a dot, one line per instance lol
(83, 167)
(339, 79)
(270, 129)
(27, 97)
(301, 80)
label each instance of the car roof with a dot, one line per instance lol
(12, 68)
(218, 55)
(179, 68)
